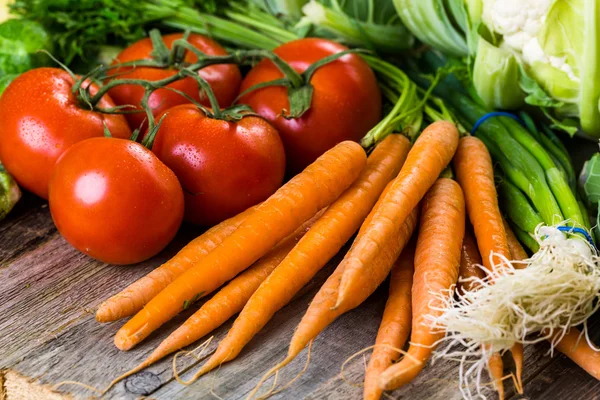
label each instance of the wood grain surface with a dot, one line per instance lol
(48, 334)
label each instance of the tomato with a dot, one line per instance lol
(115, 201)
(41, 118)
(224, 79)
(224, 167)
(345, 105)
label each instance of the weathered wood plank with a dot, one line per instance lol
(26, 227)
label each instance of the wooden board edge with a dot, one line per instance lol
(14, 386)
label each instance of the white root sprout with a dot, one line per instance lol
(557, 290)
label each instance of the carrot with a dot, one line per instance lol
(321, 312)
(469, 268)
(430, 154)
(579, 350)
(437, 262)
(496, 370)
(277, 217)
(225, 303)
(395, 324)
(474, 172)
(470, 260)
(325, 239)
(133, 298)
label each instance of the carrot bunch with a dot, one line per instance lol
(271, 251)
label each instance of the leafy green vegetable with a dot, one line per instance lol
(80, 27)
(9, 193)
(496, 76)
(20, 41)
(589, 182)
(434, 23)
(589, 179)
(373, 24)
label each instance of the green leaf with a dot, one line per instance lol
(430, 21)
(536, 95)
(589, 180)
(571, 31)
(20, 41)
(496, 77)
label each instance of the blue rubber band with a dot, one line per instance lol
(489, 115)
(572, 229)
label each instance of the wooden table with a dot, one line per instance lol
(48, 334)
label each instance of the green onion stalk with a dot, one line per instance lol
(559, 287)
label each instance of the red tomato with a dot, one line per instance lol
(224, 167)
(345, 105)
(224, 79)
(95, 200)
(41, 118)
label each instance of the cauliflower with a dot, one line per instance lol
(519, 22)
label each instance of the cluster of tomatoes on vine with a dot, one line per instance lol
(172, 131)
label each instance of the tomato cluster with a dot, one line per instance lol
(121, 203)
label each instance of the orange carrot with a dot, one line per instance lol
(395, 324)
(437, 262)
(321, 243)
(496, 370)
(430, 154)
(133, 298)
(469, 267)
(277, 217)
(474, 172)
(579, 350)
(470, 260)
(321, 313)
(225, 303)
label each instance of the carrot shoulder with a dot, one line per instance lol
(133, 298)
(395, 324)
(442, 227)
(341, 220)
(474, 172)
(277, 217)
(430, 154)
